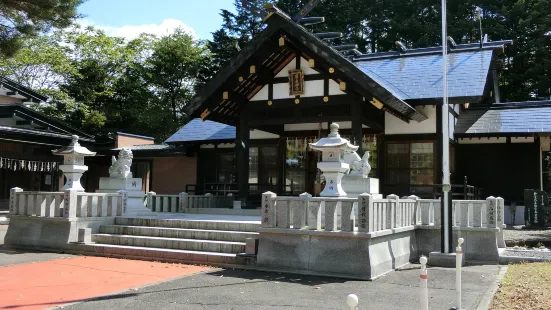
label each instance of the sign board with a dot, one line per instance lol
(537, 211)
(296, 82)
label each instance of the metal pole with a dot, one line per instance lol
(458, 263)
(446, 223)
(423, 284)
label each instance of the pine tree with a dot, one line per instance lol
(24, 19)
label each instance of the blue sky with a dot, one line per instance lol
(128, 18)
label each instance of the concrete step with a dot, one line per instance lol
(171, 243)
(165, 255)
(243, 226)
(182, 233)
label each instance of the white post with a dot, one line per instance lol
(123, 201)
(183, 202)
(352, 301)
(71, 205)
(13, 200)
(268, 210)
(150, 201)
(424, 296)
(458, 263)
(445, 135)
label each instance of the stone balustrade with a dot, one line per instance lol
(465, 213)
(369, 214)
(68, 204)
(101, 204)
(178, 203)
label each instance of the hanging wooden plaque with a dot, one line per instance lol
(296, 82)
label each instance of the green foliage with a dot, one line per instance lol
(25, 19)
(104, 84)
(375, 26)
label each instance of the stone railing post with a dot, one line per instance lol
(123, 202)
(314, 215)
(500, 222)
(348, 221)
(425, 210)
(71, 203)
(331, 223)
(13, 200)
(183, 202)
(365, 212)
(268, 209)
(210, 200)
(300, 210)
(416, 212)
(491, 205)
(396, 213)
(150, 200)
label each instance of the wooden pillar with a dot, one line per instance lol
(242, 154)
(357, 134)
(281, 157)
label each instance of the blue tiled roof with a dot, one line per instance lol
(197, 130)
(420, 77)
(508, 118)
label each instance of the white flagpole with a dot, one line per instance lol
(445, 135)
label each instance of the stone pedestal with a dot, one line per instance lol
(333, 172)
(73, 173)
(135, 204)
(437, 259)
(356, 184)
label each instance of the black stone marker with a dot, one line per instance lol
(537, 212)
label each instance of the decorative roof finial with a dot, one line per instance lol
(334, 130)
(74, 140)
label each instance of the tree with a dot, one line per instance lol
(171, 73)
(236, 31)
(375, 26)
(24, 19)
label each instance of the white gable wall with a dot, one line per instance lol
(396, 126)
(312, 88)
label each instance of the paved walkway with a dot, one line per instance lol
(245, 290)
(35, 280)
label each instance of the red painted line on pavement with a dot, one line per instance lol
(51, 283)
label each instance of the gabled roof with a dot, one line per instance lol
(19, 91)
(17, 119)
(420, 76)
(208, 102)
(531, 118)
(197, 130)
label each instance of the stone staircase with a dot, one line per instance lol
(174, 240)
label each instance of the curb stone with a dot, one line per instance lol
(489, 295)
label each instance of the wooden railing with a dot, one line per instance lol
(369, 214)
(69, 204)
(178, 203)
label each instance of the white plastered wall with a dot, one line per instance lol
(396, 126)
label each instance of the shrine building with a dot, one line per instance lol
(252, 122)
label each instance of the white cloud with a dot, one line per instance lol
(129, 32)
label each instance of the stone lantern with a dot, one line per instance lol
(333, 165)
(73, 163)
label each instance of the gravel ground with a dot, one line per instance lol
(517, 235)
(527, 253)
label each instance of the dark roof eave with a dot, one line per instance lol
(31, 132)
(14, 86)
(201, 142)
(495, 45)
(501, 134)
